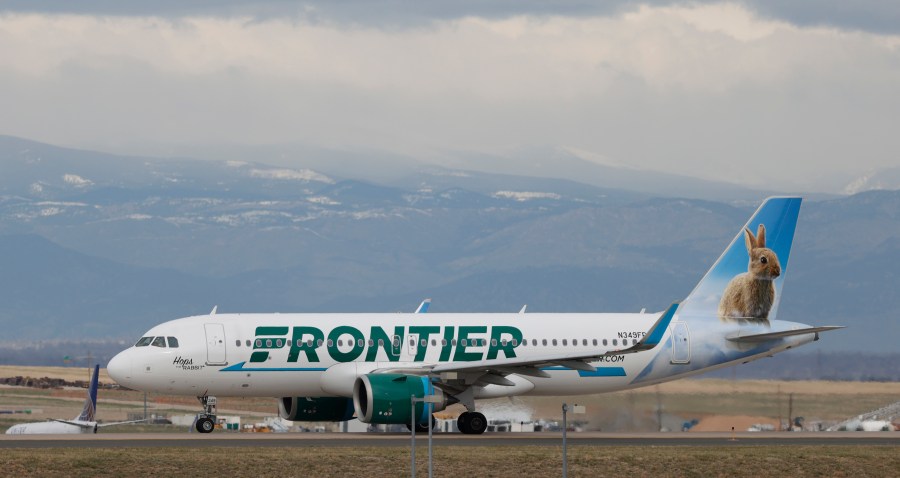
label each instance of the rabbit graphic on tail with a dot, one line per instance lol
(749, 296)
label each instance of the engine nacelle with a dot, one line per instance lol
(320, 409)
(385, 398)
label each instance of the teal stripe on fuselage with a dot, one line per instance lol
(239, 367)
(600, 372)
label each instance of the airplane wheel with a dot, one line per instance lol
(477, 423)
(463, 423)
(205, 425)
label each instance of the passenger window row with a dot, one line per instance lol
(434, 342)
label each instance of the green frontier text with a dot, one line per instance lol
(348, 344)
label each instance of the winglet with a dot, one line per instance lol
(423, 307)
(655, 334)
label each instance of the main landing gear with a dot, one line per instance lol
(471, 423)
(206, 421)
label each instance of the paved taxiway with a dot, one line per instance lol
(224, 439)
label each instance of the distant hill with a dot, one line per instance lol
(96, 245)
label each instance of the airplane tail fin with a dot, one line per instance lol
(90, 404)
(745, 283)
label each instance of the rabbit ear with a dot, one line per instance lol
(761, 236)
(750, 240)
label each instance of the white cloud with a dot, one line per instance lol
(708, 90)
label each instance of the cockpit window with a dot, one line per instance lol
(173, 342)
(159, 342)
(145, 341)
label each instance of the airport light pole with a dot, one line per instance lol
(577, 409)
(429, 400)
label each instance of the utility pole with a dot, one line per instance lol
(565, 408)
(430, 400)
(577, 409)
(778, 401)
(659, 426)
(791, 411)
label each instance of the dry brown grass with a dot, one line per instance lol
(766, 401)
(66, 373)
(503, 461)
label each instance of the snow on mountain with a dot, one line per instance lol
(523, 196)
(291, 175)
(323, 200)
(77, 181)
(885, 179)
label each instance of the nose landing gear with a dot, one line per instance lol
(206, 420)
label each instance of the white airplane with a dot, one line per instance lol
(330, 367)
(83, 423)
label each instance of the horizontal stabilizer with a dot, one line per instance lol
(785, 333)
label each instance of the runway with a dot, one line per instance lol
(361, 440)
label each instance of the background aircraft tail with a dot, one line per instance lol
(745, 283)
(90, 404)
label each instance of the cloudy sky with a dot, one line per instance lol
(777, 94)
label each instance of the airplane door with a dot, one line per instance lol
(681, 343)
(215, 344)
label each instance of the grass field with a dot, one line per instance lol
(712, 401)
(584, 461)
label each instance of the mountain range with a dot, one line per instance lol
(95, 245)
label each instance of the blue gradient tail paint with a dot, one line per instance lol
(90, 405)
(779, 217)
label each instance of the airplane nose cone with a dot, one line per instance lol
(119, 368)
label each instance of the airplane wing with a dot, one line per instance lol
(531, 366)
(101, 425)
(93, 425)
(785, 333)
(578, 361)
(77, 424)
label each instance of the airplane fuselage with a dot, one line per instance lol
(50, 428)
(315, 355)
